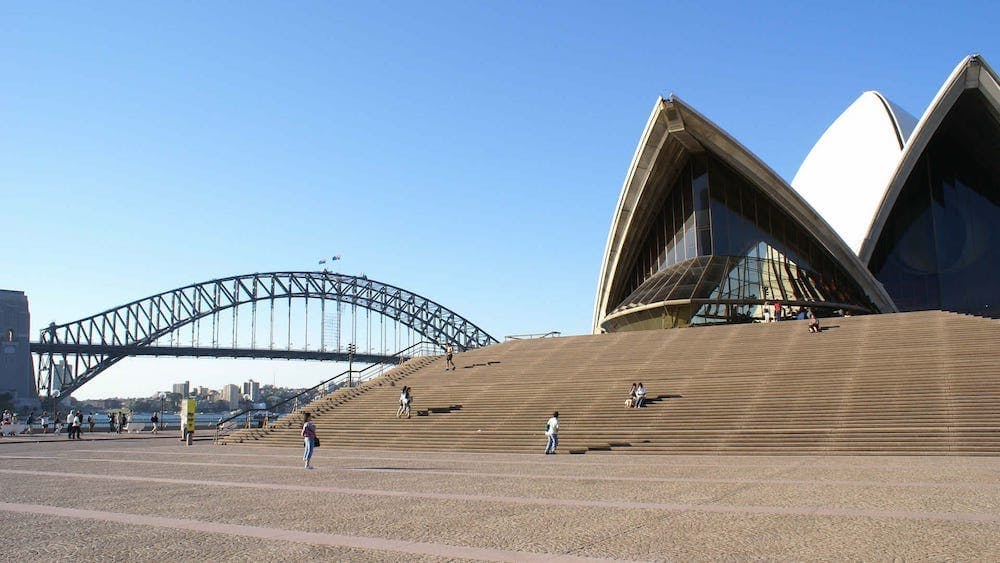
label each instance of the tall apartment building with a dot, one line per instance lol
(231, 394)
(252, 388)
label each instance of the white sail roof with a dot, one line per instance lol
(845, 174)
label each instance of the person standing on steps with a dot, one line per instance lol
(308, 439)
(449, 351)
(552, 432)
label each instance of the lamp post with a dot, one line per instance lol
(163, 399)
(55, 401)
(351, 349)
(246, 405)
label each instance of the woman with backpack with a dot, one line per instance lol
(309, 439)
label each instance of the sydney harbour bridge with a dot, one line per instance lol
(279, 315)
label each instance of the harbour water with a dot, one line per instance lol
(170, 420)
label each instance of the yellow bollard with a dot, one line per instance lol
(187, 420)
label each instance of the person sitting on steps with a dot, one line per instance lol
(630, 401)
(640, 395)
(813, 321)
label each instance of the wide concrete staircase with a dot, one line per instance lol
(909, 383)
(292, 423)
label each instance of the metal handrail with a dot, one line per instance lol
(551, 333)
(422, 348)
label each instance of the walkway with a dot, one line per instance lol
(155, 499)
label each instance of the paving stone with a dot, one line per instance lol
(223, 503)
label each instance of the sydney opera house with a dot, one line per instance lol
(887, 213)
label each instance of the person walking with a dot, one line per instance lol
(76, 430)
(90, 421)
(404, 403)
(73, 425)
(155, 420)
(552, 432)
(449, 351)
(309, 439)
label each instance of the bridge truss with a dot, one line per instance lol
(257, 315)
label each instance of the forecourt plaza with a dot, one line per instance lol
(143, 499)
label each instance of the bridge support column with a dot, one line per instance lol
(16, 371)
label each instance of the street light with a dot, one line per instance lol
(351, 349)
(163, 398)
(246, 404)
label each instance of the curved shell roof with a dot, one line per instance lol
(674, 129)
(972, 73)
(845, 174)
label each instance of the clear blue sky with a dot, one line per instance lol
(471, 152)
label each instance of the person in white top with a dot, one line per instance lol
(640, 395)
(76, 427)
(552, 431)
(404, 403)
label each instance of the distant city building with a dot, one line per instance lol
(231, 394)
(252, 388)
(183, 389)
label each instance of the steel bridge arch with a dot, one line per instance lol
(142, 322)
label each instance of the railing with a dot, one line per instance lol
(352, 376)
(550, 334)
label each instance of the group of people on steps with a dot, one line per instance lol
(636, 397)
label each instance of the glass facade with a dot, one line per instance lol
(673, 236)
(940, 246)
(720, 251)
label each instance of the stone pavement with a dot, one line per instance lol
(143, 500)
